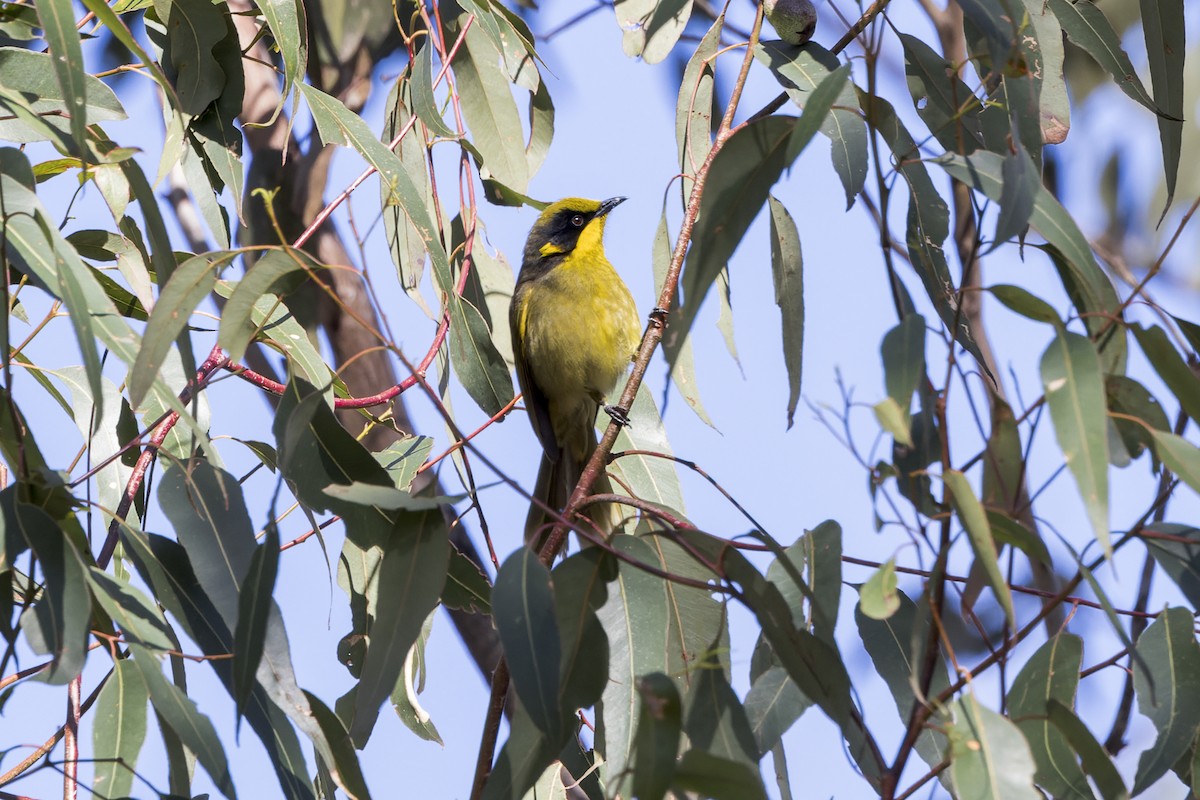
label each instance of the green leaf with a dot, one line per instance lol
(411, 683)
(715, 720)
(694, 108)
(773, 703)
(523, 610)
(288, 25)
(1096, 761)
(344, 761)
(894, 420)
(1127, 396)
(989, 757)
(424, 104)
(1086, 26)
(58, 27)
(275, 323)
(738, 182)
(1164, 29)
(1179, 556)
(189, 286)
(944, 102)
(1074, 389)
(648, 477)
(787, 266)
(1167, 681)
(650, 28)
(635, 620)
(338, 125)
(56, 625)
(481, 369)
(35, 76)
(1024, 303)
(410, 580)
(1052, 674)
(236, 328)
(801, 70)
(819, 114)
(180, 713)
(903, 354)
(1022, 180)
(491, 112)
(657, 740)
(467, 587)
(974, 519)
(1007, 531)
(1090, 288)
(897, 646)
(194, 28)
(118, 730)
(677, 348)
(1170, 366)
(878, 598)
(139, 618)
(720, 779)
(254, 611)
(104, 441)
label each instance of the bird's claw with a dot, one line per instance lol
(618, 415)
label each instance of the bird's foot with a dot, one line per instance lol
(618, 415)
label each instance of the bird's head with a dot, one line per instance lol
(568, 225)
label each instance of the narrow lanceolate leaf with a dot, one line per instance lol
(33, 76)
(707, 775)
(694, 109)
(1089, 287)
(819, 114)
(189, 285)
(1167, 681)
(903, 354)
(787, 266)
(491, 111)
(338, 125)
(479, 366)
(1096, 761)
(1164, 28)
(739, 179)
(118, 730)
(1086, 26)
(715, 721)
(635, 620)
(1075, 392)
(1052, 674)
(254, 610)
(773, 703)
(57, 624)
(979, 531)
(58, 26)
(523, 610)
(290, 29)
(194, 28)
(897, 648)
(194, 729)
(1178, 553)
(411, 577)
(1170, 366)
(989, 758)
(802, 70)
(237, 326)
(658, 732)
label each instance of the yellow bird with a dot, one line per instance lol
(574, 330)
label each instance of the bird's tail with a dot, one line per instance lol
(555, 482)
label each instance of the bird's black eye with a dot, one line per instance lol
(577, 220)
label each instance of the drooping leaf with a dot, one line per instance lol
(943, 101)
(989, 757)
(1167, 681)
(738, 182)
(36, 76)
(118, 730)
(1130, 398)
(974, 519)
(773, 703)
(787, 267)
(180, 712)
(650, 28)
(694, 109)
(1164, 29)
(635, 620)
(194, 28)
(656, 744)
(714, 719)
(139, 618)
(1074, 388)
(1052, 674)
(477, 363)
(711, 776)
(897, 650)
(1178, 553)
(1170, 366)
(237, 327)
(1086, 26)
(1095, 760)
(523, 610)
(254, 611)
(58, 27)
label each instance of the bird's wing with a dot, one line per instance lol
(536, 404)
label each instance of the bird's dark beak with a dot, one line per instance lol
(609, 204)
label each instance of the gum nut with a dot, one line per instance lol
(794, 20)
